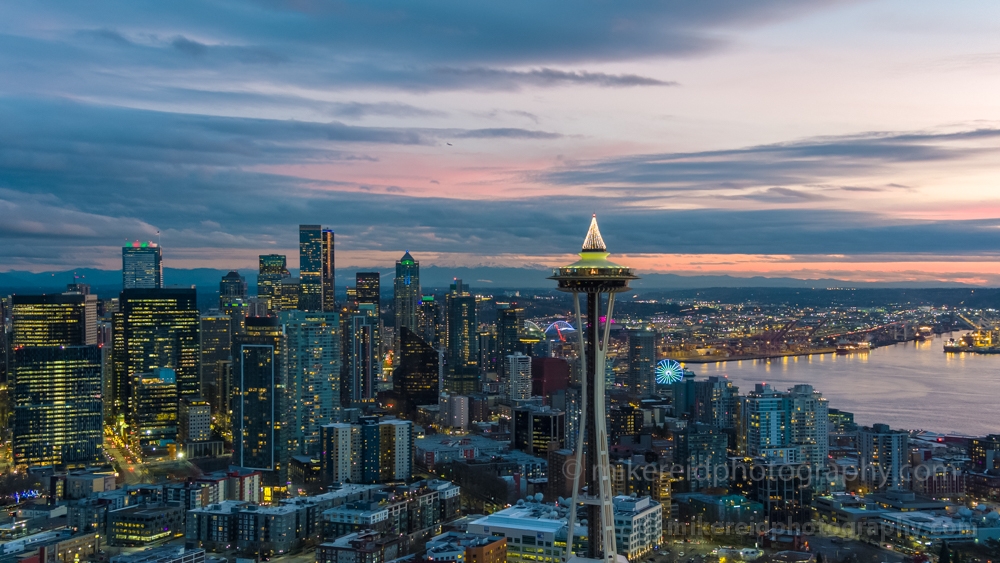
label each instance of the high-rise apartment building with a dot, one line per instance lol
(370, 453)
(406, 293)
(882, 455)
(808, 424)
(194, 421)
(717, 403)
(259, 403)
(765, 426)
(461, 340)
(517, 366)
(272, 271)
(310, 268)
(313, 371)
(329, 272)
(142, 266)
(395, 450)
(373, 450)
(787, 427)
(338, 461)
(364, 366)
(641, 362)
(700, 450)
(156, 328)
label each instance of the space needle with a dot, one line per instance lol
(594, 276)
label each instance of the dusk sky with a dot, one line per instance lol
(852, 140)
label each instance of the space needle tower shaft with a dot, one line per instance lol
(593, 276)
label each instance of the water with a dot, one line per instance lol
(912, 385)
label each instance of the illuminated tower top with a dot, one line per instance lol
(594, 241)
(593, 272)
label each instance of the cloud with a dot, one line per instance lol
(494, 78)
(89, 176)
(121, 47)
(506, 132)
(809, 162)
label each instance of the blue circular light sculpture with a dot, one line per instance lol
(669, 371)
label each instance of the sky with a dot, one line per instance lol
(855, 140)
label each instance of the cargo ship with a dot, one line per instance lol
(846, 348)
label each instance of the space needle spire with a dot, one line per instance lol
(593, 275)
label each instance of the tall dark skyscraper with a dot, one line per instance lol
(406, 292)
(329, 272)
(641, 362)
(4, 342)
(156, 328)
(415, 380)
(233, 285)
(216, 339)
(461, 340)
(260, 410)
(429, 323)
(56, 373)
(368, 288)
(233, 299)
(363, 367)
(310, 268)
(272, 270)
(509, 321)
(142, 266)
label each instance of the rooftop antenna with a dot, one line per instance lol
(158, 237)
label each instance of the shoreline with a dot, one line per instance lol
(713, 359)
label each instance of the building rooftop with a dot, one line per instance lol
(154, 555)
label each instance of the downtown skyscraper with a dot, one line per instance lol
(261, 414)
(310, 268)
(56, 380)
(641, 362)
(313, 371)
(406, 293)
(272, 271)
(461, 341)
(142, 266)
(155, 328)
(329, 272)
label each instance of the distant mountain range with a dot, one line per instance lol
(108, 282)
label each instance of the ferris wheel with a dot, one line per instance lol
(669, 371)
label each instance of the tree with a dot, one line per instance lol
(945, 555)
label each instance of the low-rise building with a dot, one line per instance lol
(363, 547)
(844, 508)
(463, 547)
(638, 526)
(143, 524)
(170, 554)
(213, 527)
(718, 508)
(435, 450)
